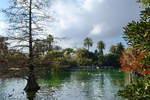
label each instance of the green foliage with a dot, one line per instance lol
(42, 46)
(72, 63)
(112, 49)
(48, 43)
(138, 90)
(17, 59)
(119, 48)
(137, 34)
(68, 51)
(101, 59)
(146, 59)
(82, 53)
(38, 48)
(85, 62)
(88, 42)
(52, 59)
(54, 54)
(84, 57)
(112, 59)
(56, 59)
(3, 46)
(100, 55)
(145, 3)
(101, 47)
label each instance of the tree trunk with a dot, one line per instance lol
(32, 85)
(88, 47)
(30, 38)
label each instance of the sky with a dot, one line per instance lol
(98, 19)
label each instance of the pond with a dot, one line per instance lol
(72, 85)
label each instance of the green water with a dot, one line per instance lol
(74, 85)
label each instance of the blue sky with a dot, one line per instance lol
(97, 19)
(3, 3)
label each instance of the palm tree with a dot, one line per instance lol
(112, 49)
(101, 46)
(88, 42)
(120, 48)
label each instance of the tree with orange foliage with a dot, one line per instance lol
(133, 61)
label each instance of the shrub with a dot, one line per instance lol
(138, 90)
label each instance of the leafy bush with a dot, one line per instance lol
(138, 90)
(112, 59)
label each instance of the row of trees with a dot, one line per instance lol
(46, 53)
(86, 57)
(89, 43)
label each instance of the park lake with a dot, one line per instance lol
(75, 50)
(83, 84)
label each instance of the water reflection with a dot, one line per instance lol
(74, 85)
(31, 95)
(32, 86)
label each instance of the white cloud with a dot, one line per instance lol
(66, 13)
(3, 27)
(96, 30)
(99, 19)
(90, 4)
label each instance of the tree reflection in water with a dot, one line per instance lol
(32, 86)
